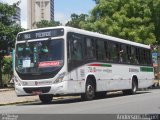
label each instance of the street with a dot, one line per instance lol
(144, 102)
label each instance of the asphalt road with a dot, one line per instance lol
(144, 102)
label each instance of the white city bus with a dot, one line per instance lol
(64, 60)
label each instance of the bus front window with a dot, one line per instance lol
(39, 57)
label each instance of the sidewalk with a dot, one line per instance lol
(8, 96)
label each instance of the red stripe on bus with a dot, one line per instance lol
(94, 64)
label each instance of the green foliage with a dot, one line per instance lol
(8, 30)
(134, 20)
(6, 13)
(155, 8)
(7, 65)
(76, 20)
(46, 23)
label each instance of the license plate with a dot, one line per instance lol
(36, 92)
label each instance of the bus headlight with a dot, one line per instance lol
(17, 82)
(60, 78)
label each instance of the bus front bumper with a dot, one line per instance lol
(36, 90)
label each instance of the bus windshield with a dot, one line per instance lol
(39, 57)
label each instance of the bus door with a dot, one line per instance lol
(75, 56)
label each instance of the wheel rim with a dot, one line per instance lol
(134, 87)
(90, 91)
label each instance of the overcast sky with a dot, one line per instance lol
(63, 9)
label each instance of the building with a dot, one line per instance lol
(17, 17)
(39, 10)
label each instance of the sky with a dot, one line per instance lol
(62, 9)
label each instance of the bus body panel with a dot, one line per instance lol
(109, 76)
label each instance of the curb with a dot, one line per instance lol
(6, 89)
(16, 103)
(36, 100)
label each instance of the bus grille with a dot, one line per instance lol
(41, 89)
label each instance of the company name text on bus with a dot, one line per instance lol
(40, 34)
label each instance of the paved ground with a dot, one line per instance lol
(144, 102)
(8, 96)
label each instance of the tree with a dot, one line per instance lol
(133, 20)
(154, 5)
(96, 1)
(46, 23)
(8, 31)
(76, 19)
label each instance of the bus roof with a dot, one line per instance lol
(94, 34)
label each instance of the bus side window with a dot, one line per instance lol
(110, 49)
(149, 61)
(123, 54)
(132, 55)
(113, 51)
(76, 50)
(137, 56)
(107, 52)
(90, 49)
(129, 54)
(146, 58)
(100, 50)
(142, 61)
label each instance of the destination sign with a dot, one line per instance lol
(40, 34)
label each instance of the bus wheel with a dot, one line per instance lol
(89, 92)
(133, 90)
(46, 98)
(134, 87)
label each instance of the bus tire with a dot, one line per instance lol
(89, 91)
(46, 98)
(134, 88)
